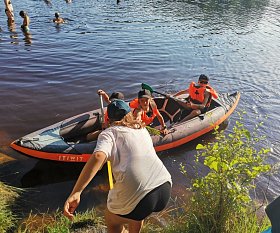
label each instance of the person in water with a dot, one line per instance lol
(9, 10)
(200, 96)
(92, 136)
(26, 21)
(58, 19)
(142, 184)
(145, 109)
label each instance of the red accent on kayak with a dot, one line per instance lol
(52, 156)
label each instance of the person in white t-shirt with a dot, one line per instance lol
(142, 184)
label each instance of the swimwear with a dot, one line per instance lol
(25, 28)
(155, 201)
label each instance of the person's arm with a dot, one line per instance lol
(162, 123)
(159, 117)
(181, 92)
(94, 163)
(26, 21)
(6, 2)
(104, 95)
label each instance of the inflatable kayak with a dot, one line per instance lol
(63, 141)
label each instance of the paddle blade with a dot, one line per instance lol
(147, 87)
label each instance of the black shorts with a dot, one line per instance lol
(155, 201)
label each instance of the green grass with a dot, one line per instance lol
(57, 223)
(183, 220)
(7, 196)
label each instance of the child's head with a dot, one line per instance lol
(22, 13)
(56, 15)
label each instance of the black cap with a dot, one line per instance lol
(144, 94)
(116, 95)
(117, 109)
(203, 77)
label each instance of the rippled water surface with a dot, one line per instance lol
(53, 72)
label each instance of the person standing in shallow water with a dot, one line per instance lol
(9, 10)
(26, 21)
(142, 184)
(58, 19)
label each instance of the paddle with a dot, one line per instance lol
(108, 162)
(149, 88)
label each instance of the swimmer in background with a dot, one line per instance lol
(9, 10)
(48, 2)
(26, 21)
(58, 19)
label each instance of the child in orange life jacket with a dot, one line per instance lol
(145, 109)
(200, 96)
(115, 95)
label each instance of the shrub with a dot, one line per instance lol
(221, 199)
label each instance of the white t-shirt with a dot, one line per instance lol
(136, 167)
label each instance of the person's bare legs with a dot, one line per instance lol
(93, 135)
(115, 223)
(135, 226)
(193, 114)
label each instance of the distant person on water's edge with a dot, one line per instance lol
(26, 21)
(9, 10)
(142, 184)
(200, 96)
(58, 19)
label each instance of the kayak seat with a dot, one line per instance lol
(169, 109)
(77, 128)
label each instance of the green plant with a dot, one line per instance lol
(152, 131)
(8, 194)
(57, 223)
(222, 197)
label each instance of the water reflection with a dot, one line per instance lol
(27, 38)
(13, 33)
(47, 172)
(11, 26)
(216, 14)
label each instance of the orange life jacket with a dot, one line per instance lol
(197, 93)
(144, 117)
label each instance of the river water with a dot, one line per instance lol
(53, 72)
